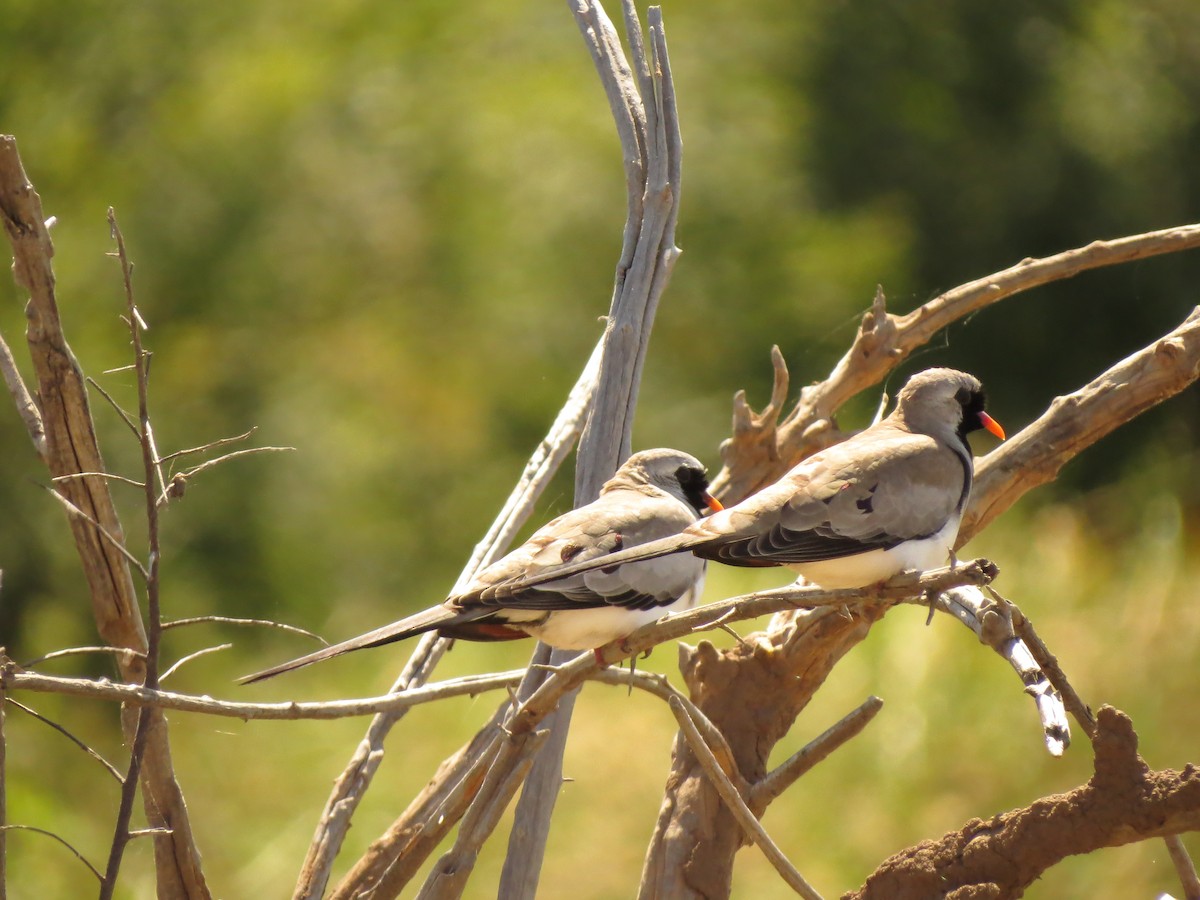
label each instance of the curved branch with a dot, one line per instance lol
(884, 341)
(1075, 422)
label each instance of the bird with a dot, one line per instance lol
(655, 493)
(886, 500)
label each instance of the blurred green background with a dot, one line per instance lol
(382, 233)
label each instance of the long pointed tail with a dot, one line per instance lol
(426, 620)
(675, 543)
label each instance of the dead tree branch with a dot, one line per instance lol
(647, 125)
(1123, 802)
(763, 448)
(71, 448)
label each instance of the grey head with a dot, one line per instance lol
(944, 403)
(676, 473)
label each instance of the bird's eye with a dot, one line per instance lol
(963, 396)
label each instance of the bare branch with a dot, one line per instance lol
(1123, 802)
(123, 652)
(112, 770)
(50, 834)
(774, 783)
(175, 484)
(120, 478)
(179, 663)
(112, 540)
(120, 411)
(736, 805)
(227, 620)
(138, 695)
(1077, 421)
(994, 624)
(449, 876)
(1184, 866)
(26, 407)
(884, 341)
(204, 448)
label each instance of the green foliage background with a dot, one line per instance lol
(382, 233)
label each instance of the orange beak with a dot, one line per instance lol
(991, 425)
(715, 505)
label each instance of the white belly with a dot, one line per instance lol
(587, 629)
(874, 566)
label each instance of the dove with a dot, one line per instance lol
(654, 494)
(886, 500)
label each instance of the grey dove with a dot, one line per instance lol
(656, 493)
(886, 500)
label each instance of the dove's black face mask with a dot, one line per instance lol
(973, 404)
(695, 486)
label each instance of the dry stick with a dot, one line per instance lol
(355, 779)
(1124, 801)
(1184, 866)
(449, 876)
(1074, 422)
(392, 860)
(71, 446)
(154, 632)
(910, 587)
(137, 695)
(26, 408)
(123, 652)
(109, 475)
(775, 782)
(175, 488)
(204, 448)
(179, 663)
(737, 805)
(228, 620)
(109, 767)
(639, 284)
(50, 834)
(994, 624)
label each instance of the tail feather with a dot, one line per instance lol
(426, 620)
(675, 543)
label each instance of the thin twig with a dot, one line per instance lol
(154, 628)
(138, 695)
(71, 446)
(112, 770)
(204, 448)
(28, 411)
(60, 478)
(737, 806)
(121, 652)
(1184, 866)
(785, 774)
(147, 832)
(993, 621)
(235, 454)
(78, 513)
(125, 417)
(450, 874)
(228, 620)
(191, 656)
(1048, 663)
(50, 834)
